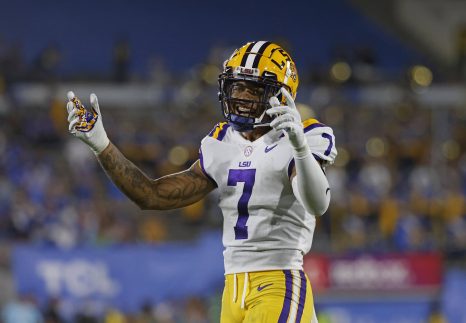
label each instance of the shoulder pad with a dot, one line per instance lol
(219, 131)
(310, 124)
(321, 140)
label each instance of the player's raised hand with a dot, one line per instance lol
(87, 124)
(288, 119)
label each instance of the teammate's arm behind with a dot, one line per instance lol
(168, 192)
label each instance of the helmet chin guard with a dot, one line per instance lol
(240, 123)
(243, 124)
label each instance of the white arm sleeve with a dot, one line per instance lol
(310, 184)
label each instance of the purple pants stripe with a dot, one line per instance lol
(302, 296)
(287, 300)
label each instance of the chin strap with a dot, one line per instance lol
(258, 121)
(240, 123)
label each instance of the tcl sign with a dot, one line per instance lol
(78, 278)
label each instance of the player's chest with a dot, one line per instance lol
(272, 157)
(259, 165)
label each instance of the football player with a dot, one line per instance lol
(268, 166)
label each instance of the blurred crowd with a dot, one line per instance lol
(398, 182)
(189, 310)
(52, 189)
(394, 186)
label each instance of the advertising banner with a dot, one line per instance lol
(375, 272)
(121, 276)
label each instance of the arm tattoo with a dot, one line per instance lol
(168, 192)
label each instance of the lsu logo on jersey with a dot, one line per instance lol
(244, 164)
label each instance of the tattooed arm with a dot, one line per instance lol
(168, 192)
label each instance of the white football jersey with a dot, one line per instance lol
(265, 227)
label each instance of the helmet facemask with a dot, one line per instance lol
(247, 112)
(264, 68)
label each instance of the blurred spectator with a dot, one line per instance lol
(462, 52)
(195, 311)
(364, 66)
(121, 61)
(145, 315)
(114, 316)
(435, 314)
(11, 64)
(52, 313)
(83, 317)
(165, 313)
(158, 72)
(46, 64)
(22, 310)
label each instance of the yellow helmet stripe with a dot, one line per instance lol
(253, 54)
(259, 54)
(246, 53)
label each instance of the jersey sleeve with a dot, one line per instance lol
(321, 141)
(219, 131)
(207, 150)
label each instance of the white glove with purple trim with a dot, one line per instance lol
(87, 125)
(287, 118)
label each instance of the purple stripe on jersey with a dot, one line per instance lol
(287, 300)
(302, 296)
(201, 161)
(223, 132)
(313, 126)
(290, 167)
(329, 148)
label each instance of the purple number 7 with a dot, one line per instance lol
(248, 177)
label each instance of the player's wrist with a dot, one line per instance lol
(100, 146)
(301, 150)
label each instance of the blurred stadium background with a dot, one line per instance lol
(388, 76)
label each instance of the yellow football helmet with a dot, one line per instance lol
(261, 65)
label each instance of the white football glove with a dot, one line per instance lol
(288, 119)
(87, 125)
